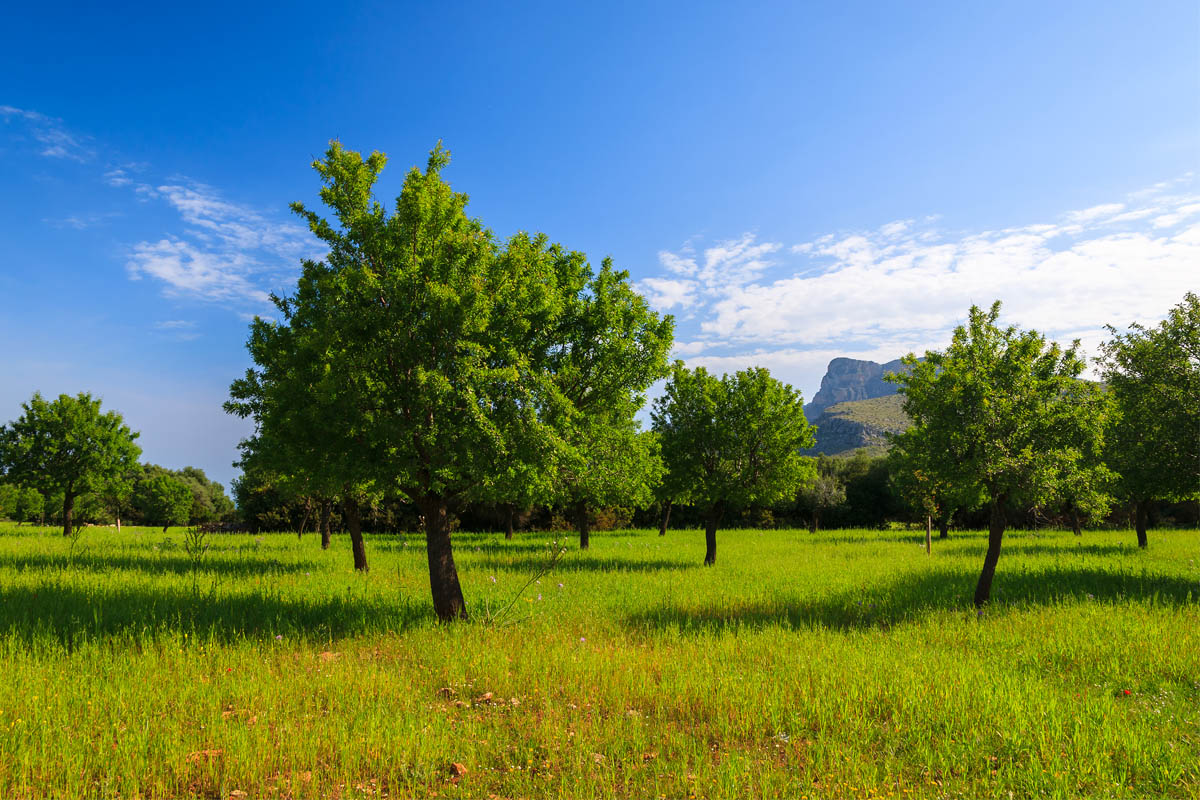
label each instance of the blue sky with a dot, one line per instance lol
(793, 181)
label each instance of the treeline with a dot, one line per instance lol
(64, 461)
(861, 490)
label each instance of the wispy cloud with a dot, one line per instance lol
(81, 222)
(226, 252)
(904, 285)
(51, 136)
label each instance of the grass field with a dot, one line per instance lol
(840, 665)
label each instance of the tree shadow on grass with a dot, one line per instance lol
(1032, 546)
(913, 596)
(67, 615)
(154, 563)
(577, 561)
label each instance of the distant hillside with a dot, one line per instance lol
(845, 427)
(849, 379)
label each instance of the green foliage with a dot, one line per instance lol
(164, 499)
(66, 445)
(1154, 377)
(825, 492)
(999, 414)
(733, 441)
(29, 505)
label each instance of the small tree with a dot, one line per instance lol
(826, 491)
(67, 446)
(1003, 410)
(1154, 439)
(164, 499)
(731, 442)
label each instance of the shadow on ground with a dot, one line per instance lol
(907, 599)
(70, 615)
(154, 563)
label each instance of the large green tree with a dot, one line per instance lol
(731, 442)
(1154, 441)
(998, 414)
(420, 346)
(67, 445)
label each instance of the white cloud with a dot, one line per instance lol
(904, 286)
(227, 253)
(668, 293)
(190, 271)
(82, 221)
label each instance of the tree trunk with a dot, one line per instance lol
(666, 518)
(944, 525)
(118, 523)
(508, 521)
(710, 534)
(448, 600)
(928, 534)
(307, 514)
(326, 534)
(584, 523)
(68, 511)
(815, 523)
(354, 523)
(1075, 525)
(1142, 517)
(983, 591)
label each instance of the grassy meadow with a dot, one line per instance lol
(845, 664)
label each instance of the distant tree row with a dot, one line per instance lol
(66, 461)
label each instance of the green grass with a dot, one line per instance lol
(839, 665)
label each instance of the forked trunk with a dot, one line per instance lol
(710, 534)
(584, 524)
(665, 519)
(508, 521)
(1142, 520)
(326, 533)
(983, 591)
(448, 600)
(68, 512)
(354, 523)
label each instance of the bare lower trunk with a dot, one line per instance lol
(944, 527)
(584, 524)
(354, 523)
(815, 523)
(1075, 524)
(68, 512)
(710, 534)
(1142, 520)
(928, 534)
(326, 533)
(118, 523)
(666, 518)
(983, 591)
(307, 514)
(508, 521)
(448, 600)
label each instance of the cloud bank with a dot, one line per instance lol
(905, 285)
